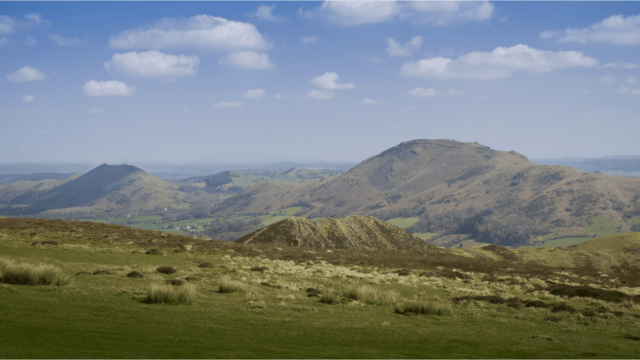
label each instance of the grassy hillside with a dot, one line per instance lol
(352, 304)
(462, 189)
(111, 188)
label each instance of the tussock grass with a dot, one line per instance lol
(418, 307)
(165, 270)
(370, 295)
(226, 285)
(330, 297)
(168, 294)
(135, 274)
(15, 273)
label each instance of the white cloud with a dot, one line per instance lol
(630, 66)
(248, 60)
(62, 41)
(328, 81)
(27, 73)
(500, 63)
(201, 31)
(96, 111)
(611, 65)
(34, 17)
(309, 40)
(626, 90)
(153, 64)
(107, 88)
(632, 80)
(252, 94)
(30, 41)
(439, 13)
(367, 101)
(228, 104)
(265, 12)
(28, 98)
(279, 96)
(6, 24)
(454, 92)
(422, 92)
(4, 41)
(321, 94)
(442, 13)
(395, 49)
(616, 29)
(360, 12)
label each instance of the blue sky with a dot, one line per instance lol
(219, 82)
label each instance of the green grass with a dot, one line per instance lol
(115, 316)
(170, 294)
(424, 236)
(403, 223)
(601, 225)
(559, 243)
(147, 218)
(273, 217)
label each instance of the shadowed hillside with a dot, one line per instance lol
(353, 232)
(461, 190)
(106, 187)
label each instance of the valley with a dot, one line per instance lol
(420, 251)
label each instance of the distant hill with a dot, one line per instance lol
(352, 232)
(9, 178)
(456, 188)
(614, 165)
(29, 190)
(107, 187)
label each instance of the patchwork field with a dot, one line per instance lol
(119, 297)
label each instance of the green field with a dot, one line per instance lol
(559, 242)
(403, 223)
(278, 215)
(105, 315)
(601, 226)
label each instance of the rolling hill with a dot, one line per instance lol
(105, 188)
(352, 232)
(457, 188)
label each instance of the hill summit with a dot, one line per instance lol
(459, 190)
(352, 232)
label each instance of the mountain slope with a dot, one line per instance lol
(455, 187)
(353, 232)
(107, 187)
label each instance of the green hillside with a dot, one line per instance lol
(239, 301)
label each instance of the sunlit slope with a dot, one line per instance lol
(436, 176)
(352, 232)
(620, 252)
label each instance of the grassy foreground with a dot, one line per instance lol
(265, 307)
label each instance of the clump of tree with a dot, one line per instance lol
(482, 226)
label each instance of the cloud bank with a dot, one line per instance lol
(500, 63)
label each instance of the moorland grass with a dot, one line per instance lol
(91, 318)
(168, 294)
(15, 273)
(418, 307)
(370, 295)
(227, 285)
